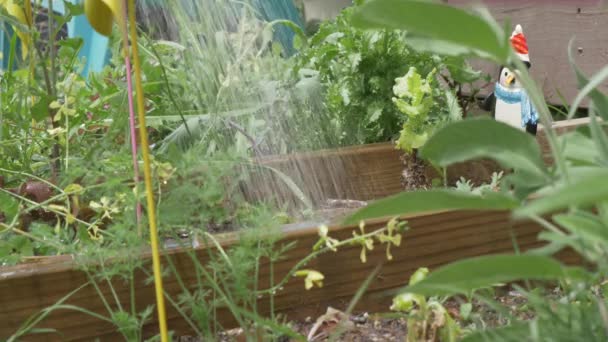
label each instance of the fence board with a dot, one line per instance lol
(549, 26)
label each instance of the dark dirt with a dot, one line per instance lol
(364, 327)
(414, 175)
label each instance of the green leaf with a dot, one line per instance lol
(468, 275)
(586, 191)
(9, 206)
(22, 245)
(516, 331)
(556, 239)
(454, 109)
(485, 138)
(548, 249)
(579, 148)
(588, 87)
(73, 9)
(40, 110)
(599, 137)
(461, 71)
(424, 44)
(465, 310)
(435, 21)
(585, 226)
(420, 201)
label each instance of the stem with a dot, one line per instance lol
(168, 87)
(37, 318)
(67, 140)
(132, 290)
(21, 173)
(271, 299)
(544, 114)
(57, 212)
(181, 311)
(315, 254)
(99, 293)
(548, 225)
(109, 281)
(256, 279)
(32, 237)
(51, 43)
(55, 163)
(45, 73)
(225, 296)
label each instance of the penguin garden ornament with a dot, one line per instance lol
(511, 102)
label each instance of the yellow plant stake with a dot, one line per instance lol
(100, 14)
(145, 148)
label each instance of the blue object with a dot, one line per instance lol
(5, 43)
(281, 9)
(95, 50)
(529, 114)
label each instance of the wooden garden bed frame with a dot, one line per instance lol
(373, 171)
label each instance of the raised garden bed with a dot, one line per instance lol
(365, 172)
(368, 173)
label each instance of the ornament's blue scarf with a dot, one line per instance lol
(528, 112)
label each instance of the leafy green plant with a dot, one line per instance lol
(358, 71)
(494, 185)
(415, 100)
(427, 318)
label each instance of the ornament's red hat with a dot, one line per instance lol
(518, 41)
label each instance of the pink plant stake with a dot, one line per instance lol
(138, 209)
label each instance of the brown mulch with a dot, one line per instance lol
(364, 327)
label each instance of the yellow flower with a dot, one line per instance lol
(390, 238)
(330, 243)
(106, 207)
(419, 275)
(95, 233)
(312, 278)
(366, 243)
(405, 302)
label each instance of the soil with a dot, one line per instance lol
(365, 327)
(414, 175)
(335, 209)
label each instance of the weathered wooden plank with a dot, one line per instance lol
(434, 239)
(364, 172)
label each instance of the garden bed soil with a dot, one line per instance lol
(392, 326)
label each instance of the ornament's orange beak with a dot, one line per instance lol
(510, 79)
